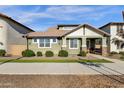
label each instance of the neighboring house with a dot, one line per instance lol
(73, 38)
(116, 30)
(11, 35)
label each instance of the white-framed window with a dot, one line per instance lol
(35, 40)
(73, 43)
(54, 40)
(44, 43)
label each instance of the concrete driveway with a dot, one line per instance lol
(62, 68)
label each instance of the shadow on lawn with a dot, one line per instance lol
(10, 60)
(96, 67)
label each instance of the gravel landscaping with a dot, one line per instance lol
(61, 81)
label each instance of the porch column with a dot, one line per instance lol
(84, 46)
(104, 46)
(64, 43)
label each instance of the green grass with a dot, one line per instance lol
(54, 60)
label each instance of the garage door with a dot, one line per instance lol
(16, 50)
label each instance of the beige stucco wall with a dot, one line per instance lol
(112, 29)
(113, 32)
(3, 34)
(11, 34)
(88, 33)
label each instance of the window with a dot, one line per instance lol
(35, 40)
(54, 40)
(73, 43)
(44, 43)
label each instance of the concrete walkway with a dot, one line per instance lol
(62, 68)
(109, 59)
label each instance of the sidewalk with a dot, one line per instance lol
(62, 69)
(109, 59)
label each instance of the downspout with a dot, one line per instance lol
(25, 36)
(27, 43)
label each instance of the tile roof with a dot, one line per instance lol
(54, 32)
(51, 32)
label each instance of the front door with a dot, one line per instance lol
(94, 45)
(90, 45)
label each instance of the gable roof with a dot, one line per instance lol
(54, 32)
(111, 23)
(51, 32)
(91, 27)
(5, 16)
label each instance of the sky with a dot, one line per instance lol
(40, 17)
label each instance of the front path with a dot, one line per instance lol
(106, 58)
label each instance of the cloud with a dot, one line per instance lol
(58, 13)
(66, 13)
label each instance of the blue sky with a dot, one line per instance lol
(40, 17)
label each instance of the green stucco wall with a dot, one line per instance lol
(73, 51)
(55, 47)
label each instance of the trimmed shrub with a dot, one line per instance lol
(63, 53)
(113, 52)
(2, 52)
(122, 53)
(82, 53)
(39, 53)
(49, 54)
(122, 57)
(28, 53)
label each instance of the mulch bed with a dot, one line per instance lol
(61, 81)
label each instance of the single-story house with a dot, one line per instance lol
(72, 38)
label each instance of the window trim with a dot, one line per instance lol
(56, 40)
(33, 40)
(70, 43)
(43, 47)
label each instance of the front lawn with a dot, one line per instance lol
(54, 60)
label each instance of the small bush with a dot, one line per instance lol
(113, 52)
(49, 54)
(39, 53)
(122, 57)
(63, 53)
(82, 53)
(122, 53)
(2, 52)
(28, 53)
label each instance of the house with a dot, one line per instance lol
(72, 38)
(116, 30)
(11, 35)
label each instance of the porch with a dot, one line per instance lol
(95, 45)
